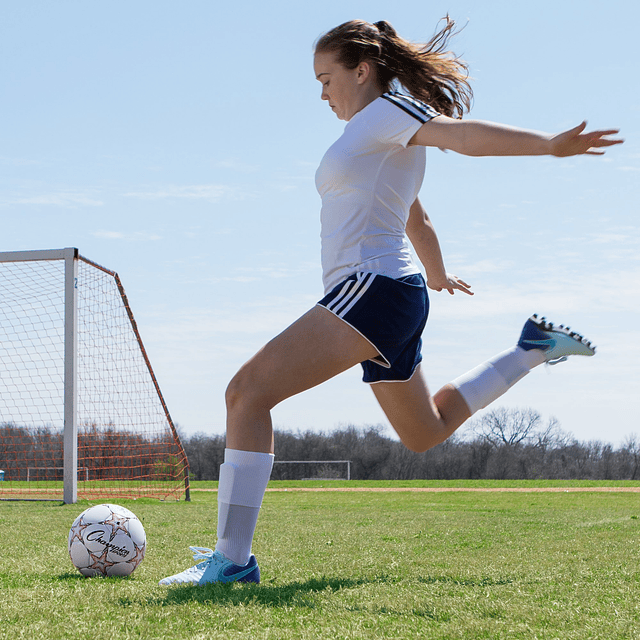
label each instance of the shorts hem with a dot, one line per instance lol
(372, 382)
(386, 364)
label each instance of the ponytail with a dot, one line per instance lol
(429, 72)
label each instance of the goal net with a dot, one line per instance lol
(81, 412)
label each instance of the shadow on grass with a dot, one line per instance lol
(71, 576)
(294, 594)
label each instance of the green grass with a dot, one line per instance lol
(435, 484)
(345, 565)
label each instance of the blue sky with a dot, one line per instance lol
(176, 143)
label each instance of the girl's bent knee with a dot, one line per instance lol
(246, 390)
(421, 442)
(233, 393)
(416, 446)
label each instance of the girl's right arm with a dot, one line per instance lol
(480, 138)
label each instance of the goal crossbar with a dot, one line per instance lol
(38, 254)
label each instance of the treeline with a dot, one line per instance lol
(502, 444)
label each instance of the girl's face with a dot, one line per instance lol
(341, 87)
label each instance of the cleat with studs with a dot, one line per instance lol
(557, 343)
(214, 567)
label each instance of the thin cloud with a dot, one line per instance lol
(237, 165)
(209, 192)
(18, 162)
(483, 266)
(618, 239)
(56, 199)
(108, 235)
(137, 236)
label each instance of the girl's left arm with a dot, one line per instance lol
(480, 138)
(425, 242)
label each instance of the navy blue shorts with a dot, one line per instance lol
(390, 314)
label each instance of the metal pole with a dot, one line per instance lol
(70, 436)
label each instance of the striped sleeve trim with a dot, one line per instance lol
(419, 110)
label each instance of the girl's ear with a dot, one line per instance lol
(364, 71)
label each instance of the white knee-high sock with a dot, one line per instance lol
(243, 480)
(487, 382)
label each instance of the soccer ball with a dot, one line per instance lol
(106, 540)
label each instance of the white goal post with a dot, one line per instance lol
(76, 382)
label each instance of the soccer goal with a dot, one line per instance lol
(78, 395)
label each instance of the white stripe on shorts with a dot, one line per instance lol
(350, 293)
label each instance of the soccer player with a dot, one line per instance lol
(397, 98)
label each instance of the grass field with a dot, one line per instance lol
(347, 565)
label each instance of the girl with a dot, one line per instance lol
(397, 98)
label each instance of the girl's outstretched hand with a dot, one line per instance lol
(575, 142)
(450, 283)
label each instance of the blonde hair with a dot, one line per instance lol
(429, 72)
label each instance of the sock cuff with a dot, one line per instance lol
(247, 458)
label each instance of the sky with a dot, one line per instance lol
(176, 143)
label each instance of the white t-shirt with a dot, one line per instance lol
(367, 180)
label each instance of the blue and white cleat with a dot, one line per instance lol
(557, 342)
(215, 567)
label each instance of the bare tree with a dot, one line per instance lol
(510, 427)
(631, 447)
